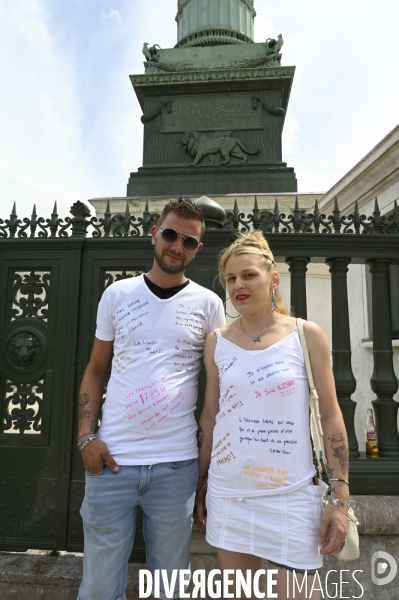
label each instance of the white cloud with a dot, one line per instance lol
(112, 15)
(264, 28)
(41, 153)
(70, 120)
(121, 108)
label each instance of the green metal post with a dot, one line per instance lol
(345, 382)
(383, 381)
(298, 270)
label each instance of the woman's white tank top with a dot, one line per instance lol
(261, 440)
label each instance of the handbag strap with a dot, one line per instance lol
(315, 419)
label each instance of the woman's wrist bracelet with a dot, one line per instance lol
(337, 502)
(343, 480)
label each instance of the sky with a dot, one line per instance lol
(70, 122)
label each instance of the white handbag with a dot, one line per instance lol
(351, 549)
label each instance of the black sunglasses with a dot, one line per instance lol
(170, 236)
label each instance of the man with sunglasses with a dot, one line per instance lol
(152, 328)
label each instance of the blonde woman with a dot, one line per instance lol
(254, 434)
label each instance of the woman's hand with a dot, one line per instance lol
(200, 513)
(333, 529)
(199, 502)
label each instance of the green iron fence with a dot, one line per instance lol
(52, 274)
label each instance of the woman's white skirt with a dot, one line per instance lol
(281, 528)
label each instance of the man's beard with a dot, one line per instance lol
(173, 269)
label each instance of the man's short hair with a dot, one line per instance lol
(185, 208)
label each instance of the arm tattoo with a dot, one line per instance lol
(340, 451)
(83, 413)
(200, 437)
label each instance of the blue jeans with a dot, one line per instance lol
(165, 492)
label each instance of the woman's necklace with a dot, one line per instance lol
(257, 339)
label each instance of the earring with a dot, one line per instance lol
(273, 299)
(226, 313)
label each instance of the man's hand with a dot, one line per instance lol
(95, 455)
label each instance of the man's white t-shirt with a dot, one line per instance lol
(148, 415)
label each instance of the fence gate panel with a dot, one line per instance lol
(37, 337)
(50, 291)
(104, 262)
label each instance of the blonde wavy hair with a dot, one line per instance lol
(252, 242)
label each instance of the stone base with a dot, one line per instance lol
(38, 576)
(230, 179)
(33, 576)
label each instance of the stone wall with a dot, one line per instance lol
(38, 576)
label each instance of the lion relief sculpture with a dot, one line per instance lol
(199, 145)
(23, 349)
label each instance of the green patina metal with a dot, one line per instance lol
(52, 274)
(216, 89)
(201, 23)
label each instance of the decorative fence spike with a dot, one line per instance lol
(316, 217)
(236, 216)
(276, 217)
(146, 220)
(356, 218)
(106, 221)
(33, 222)
(126, 220)
(336, 217)
(13, 222)
(395, 218)
(377, 218)
(256, 215)
(54, 221)
(297, 217)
